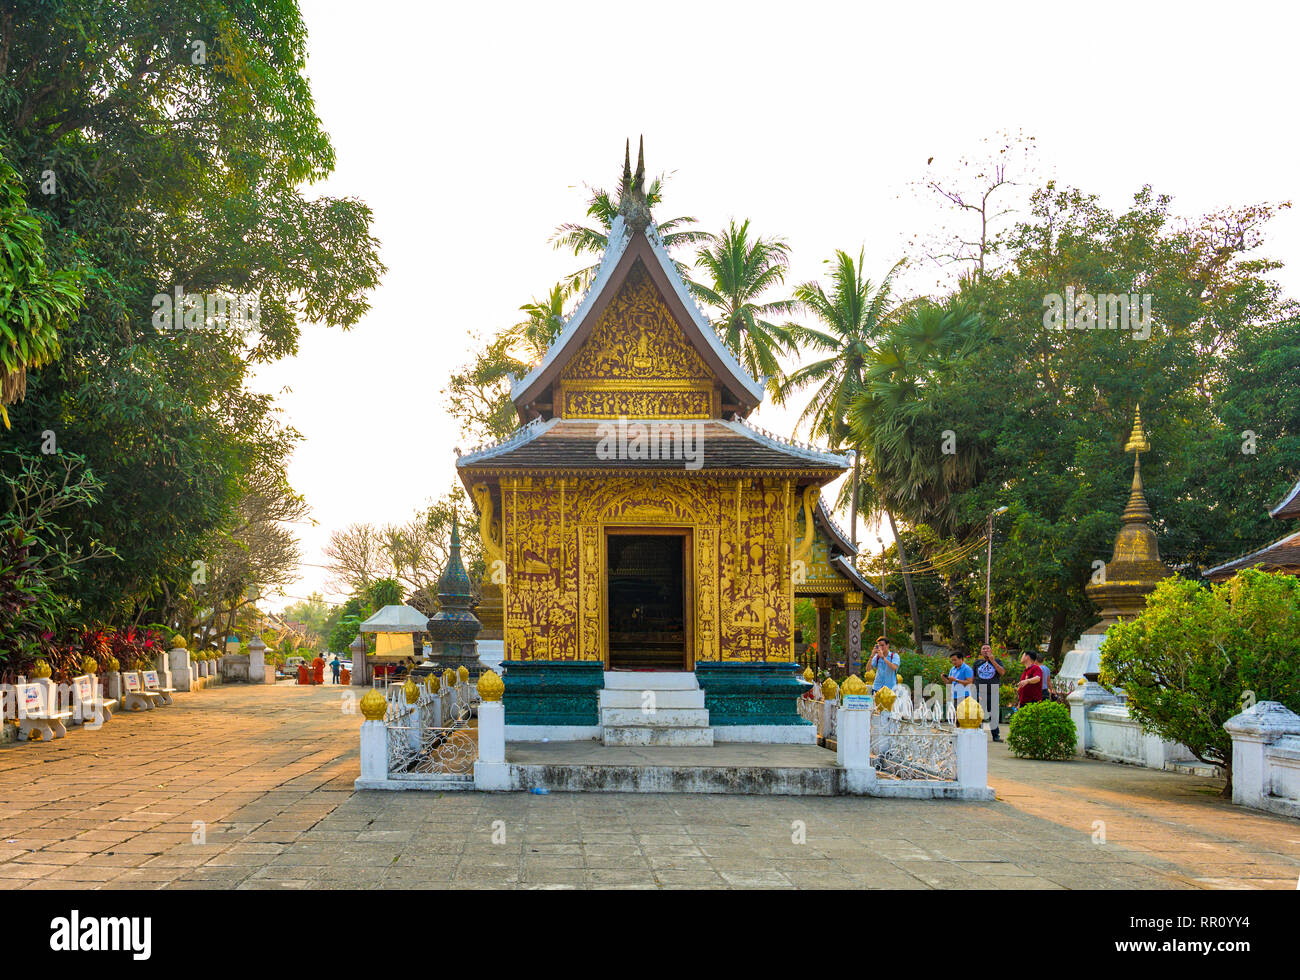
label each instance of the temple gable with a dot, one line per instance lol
(637, 362)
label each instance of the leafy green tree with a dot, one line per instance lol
(384, 592)
(740, 270)
(1194, 653)
(178, 137)
(35, 300)
(343, 633)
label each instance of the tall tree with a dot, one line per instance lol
(852, 315)
(165, 147)
(740, 270)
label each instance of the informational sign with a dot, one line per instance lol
(859, 701)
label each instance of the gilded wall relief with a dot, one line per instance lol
(742, 589)
(637, 345)
(596, 404)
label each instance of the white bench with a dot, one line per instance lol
(88, 702)
(38, 721)
(150, 681)
(135, 697)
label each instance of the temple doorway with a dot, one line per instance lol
(648, 595)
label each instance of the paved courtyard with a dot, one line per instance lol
(262, 776)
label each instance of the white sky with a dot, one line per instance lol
(471, 128)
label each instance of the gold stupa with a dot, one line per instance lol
(1135, 567)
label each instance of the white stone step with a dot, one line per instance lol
(642, 735)
(662, 699)
(661, 718)
(650, 680)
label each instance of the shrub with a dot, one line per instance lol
(1189, 659)
(1042, 730)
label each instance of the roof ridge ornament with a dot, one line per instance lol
(632, 203)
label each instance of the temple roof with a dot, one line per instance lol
(1283, 555)
(719, 444)
(631, 237)
(845, 565)
(1289, 506)
(822, 515)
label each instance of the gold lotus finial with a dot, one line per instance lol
(411, 690)
(373, 705)
(969, 714)
(448, 678)
(808, 675)
(88, 665)
(885, 698)
(830, 690)
(41, 669)
(853, 684)
(490, 686)
(462, 672)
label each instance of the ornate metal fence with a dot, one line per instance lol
(906, 742)
(434, 735)
(912, 747)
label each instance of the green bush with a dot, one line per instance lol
(1042, 730)
(1196, 655)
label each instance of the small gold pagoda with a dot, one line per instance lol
(1135, 568)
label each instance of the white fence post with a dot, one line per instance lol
(972, 750)
(1253, 732)
(490, 770)
(853, 747)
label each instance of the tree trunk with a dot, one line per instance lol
(956, 621)
(853, 502)
(1056, 640)
(907, 584)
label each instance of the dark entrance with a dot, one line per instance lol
(647, 601)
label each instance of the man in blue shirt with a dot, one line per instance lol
(961, 677)
(885, 663)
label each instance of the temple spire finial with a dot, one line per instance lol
(632, 204)
(1138, 443)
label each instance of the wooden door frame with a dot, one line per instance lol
(684, 531)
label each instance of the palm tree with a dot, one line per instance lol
(740, 270)
(889, 422)
(586, 240)
(543, 322)
(852, 315)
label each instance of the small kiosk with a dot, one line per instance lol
(399, 634)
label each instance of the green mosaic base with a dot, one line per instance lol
(552, 692)
(752, 693)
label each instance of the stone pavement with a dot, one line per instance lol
(263, 777)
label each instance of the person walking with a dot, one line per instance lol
(988, 681)
(1029, 689)
(335, 667)
(1047, 677)
(885, 663)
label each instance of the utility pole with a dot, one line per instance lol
(988, 574)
